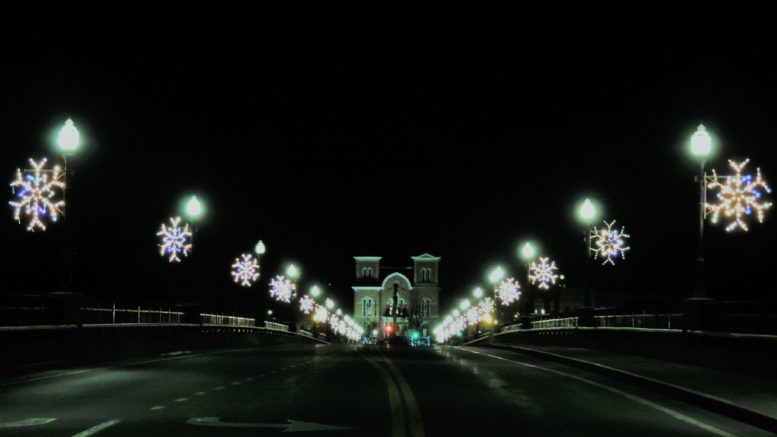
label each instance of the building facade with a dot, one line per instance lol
(417, 289)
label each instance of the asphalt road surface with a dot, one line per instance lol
(342, 390)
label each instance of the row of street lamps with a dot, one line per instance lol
(738, 197)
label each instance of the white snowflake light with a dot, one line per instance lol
(472, 316)
(508, 291)
(543, 273)
(738, 196)
(609, 243)
(175, 240)
(36, 193)
(245, 270)
(306, 304)
(282, 289)
(486, 308)
(320, 314)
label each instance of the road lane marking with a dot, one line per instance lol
(248, 379)
(221, 387)
(416, 424)
(97, 428)
(395, 401)
(236, 383)
(32, 421)
(157, 407)
(181, 399)
(200, 393)
(642, 401)
(291, 426)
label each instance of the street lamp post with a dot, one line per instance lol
(587, 214)
(68, 143)
(494, 277)
(477, 293)
(194, 211)
(528, 253)
(701, 148)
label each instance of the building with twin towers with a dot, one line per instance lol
(417, 304)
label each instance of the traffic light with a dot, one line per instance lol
(389, 329)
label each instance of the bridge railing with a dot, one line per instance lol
(113, 315)
(276, 326)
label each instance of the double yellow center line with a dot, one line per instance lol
(405, 415)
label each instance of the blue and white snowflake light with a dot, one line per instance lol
(35, 191)
(320, 314)
(175, 240)
(543, 273)
(282, 289)
(508, 291)
(738, 196)
(245, 270)
(306, 304)
(609, 243)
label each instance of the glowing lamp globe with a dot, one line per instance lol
(260, 248)
(477, 292)
(464, 304)
(496, 275)
(292, 271)
(194, 209)
(68, 138)
(587, 212)
(528, 251)
(701, 143)
(315, 291)
(329, 303)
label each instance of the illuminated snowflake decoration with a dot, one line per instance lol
(321, 314)
(245, 270)
(175, 240)
(472, 316)
(609, 243)
(738, 196)
(282, 289)
(543, 273)
(306, 304)
(485, 309)
(508, 291)
(35, 192)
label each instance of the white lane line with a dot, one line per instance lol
(221, 387)
(33, 421)
(200, 393)
(642, 401)
(181, 399)
(248, 379)
(97, 428)
(157, 407)
(236, 383)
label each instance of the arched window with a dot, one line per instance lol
(367, 272)
(426, 307)
(426, 274)
(367, 307)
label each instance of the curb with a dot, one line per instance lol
(712, 403)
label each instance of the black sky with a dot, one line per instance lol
(332, 133)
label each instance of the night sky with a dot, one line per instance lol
(334, 133)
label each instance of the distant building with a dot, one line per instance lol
(418, 303)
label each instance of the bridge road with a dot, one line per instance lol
(342, 390)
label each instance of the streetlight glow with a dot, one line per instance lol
(477, 292)
(315, 291)
(292, 271)
(528, 251)
(496, 275)
(464, 304)
(701, 143)
(587, 212)
(194, 208)
(260, 248)
(68, 138)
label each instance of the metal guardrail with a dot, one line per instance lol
(219, 319)
(276, 326)
(651, 321)
(113, 315)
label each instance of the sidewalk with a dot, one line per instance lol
(744, 397)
